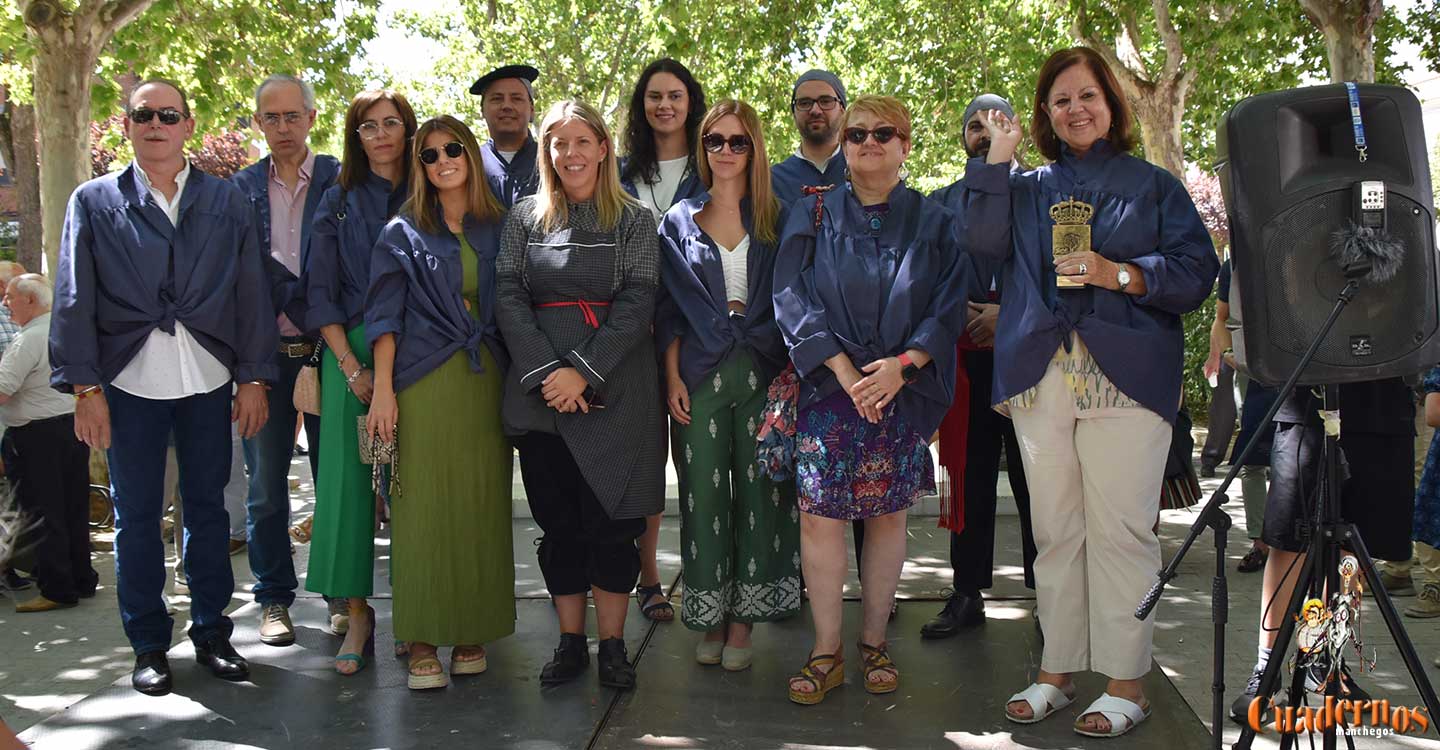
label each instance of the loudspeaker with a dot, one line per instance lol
(1291, 178)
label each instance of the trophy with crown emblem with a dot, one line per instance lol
(1071, 233)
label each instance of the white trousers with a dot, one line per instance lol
(1094, 498)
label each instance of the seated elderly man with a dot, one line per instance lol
(48, 465)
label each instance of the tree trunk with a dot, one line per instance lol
(1349, 29)
(1160, 114)
(30, 250)
(62, 102)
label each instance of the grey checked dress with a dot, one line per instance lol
(618, 448)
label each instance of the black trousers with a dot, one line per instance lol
(50, 470)
(972, 551)
(582, 545)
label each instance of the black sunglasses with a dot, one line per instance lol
(826, 103)
(168, 115)
(883, 134)
(714, 143)
(453, 149)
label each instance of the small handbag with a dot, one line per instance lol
(306, 396)
(775, 440)
(379, 453)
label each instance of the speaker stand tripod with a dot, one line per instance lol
(1213, 517)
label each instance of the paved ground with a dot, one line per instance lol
(50, 662)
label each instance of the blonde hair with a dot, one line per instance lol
(763, 204)
(551, 206)
(887, 108)
(422, 205)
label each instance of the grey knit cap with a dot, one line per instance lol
(987, 101)
(824, 76)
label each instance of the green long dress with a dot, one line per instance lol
(454, 566)
(342, 541)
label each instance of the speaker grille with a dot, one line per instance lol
(1388, 321)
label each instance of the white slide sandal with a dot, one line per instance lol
(1123, 714)
(1043, 699)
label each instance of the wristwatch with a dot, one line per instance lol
(908, 370)
(1123, 276)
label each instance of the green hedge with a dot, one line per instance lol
(1197, 346)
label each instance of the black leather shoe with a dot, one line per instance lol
(572, 657)
(960, 612)
(615, 669)
(1207, 471)
(151, 675)
(218, 656)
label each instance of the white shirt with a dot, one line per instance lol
(170, 367)
(821, 166)
(25, 378)
(508, 156)
(737, 287)
(660, 194)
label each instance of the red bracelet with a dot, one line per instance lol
(904, 359)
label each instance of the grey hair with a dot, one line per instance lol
(307, 92)
(36, 286)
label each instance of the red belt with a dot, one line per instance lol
(587, 309)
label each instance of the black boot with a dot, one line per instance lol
(151, 675)
(217, 655)
(961, 611)
(615, 669)
(572, 656)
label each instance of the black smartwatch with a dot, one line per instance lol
(908, 370)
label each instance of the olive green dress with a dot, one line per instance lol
(454, 566)
(342, 543)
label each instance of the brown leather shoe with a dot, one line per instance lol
(41, 604)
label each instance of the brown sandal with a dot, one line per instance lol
(877, 659)
(822, 682)
(301, 532)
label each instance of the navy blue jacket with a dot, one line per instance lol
(338, 275)
(690, 186)
(513, 180)
(286, 290)
(844, 289)
(693, 304)
(1143, 216)
(415, 282)
(125, 270)
(955, 197)
(787, 177)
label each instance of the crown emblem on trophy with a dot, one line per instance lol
(1072, 212)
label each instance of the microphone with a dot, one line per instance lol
(1364, 248)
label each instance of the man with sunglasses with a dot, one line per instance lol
(817, 102)
(972, 434)
(161, 308)
(507, 101)
(283, 190)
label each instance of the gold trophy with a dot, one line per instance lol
(1071, 233)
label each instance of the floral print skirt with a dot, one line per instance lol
(848, 469)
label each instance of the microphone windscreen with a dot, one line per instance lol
(1355, 246)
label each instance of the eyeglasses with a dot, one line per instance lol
(453, 149)
(271, 119)
(168, 115)
(715, 143)
(883, 134)
(370, 130)
(826, 103)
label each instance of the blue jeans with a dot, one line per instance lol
(140, 429)
(267, 506)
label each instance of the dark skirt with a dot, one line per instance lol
(1258, 400)
(848, 469)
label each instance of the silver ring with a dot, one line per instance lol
(1083, 269)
